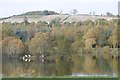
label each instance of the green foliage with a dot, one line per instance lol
(95, 36)
(62, 44)
(26, 21)
(109, 14)
(59, 38)
(45, 12)
(42, 23)
(40, 44)
(102, 22)
(54, 22)
(106, 49)
(7, 28)
(88, 23)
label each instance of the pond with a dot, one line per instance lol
(76, 66)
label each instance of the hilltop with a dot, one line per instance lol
(35, 16)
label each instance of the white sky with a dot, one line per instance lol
(14, 7)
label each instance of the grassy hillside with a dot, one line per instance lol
(35, 16)
(48, 18)
(32, 13)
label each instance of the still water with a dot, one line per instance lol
(76, 66)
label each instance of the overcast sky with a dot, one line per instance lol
(14, 7)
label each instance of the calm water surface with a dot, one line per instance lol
(76, 66)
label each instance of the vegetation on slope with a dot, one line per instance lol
(52, 38)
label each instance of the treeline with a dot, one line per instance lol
(45, 12)
(58, 38)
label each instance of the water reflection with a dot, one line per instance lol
(84, 65)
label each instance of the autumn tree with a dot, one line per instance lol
(113, 40)
(95, 36)
(89, 39)
(40, 44)
(13, 47)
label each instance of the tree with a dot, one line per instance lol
(95, 36)
(102, 22)
(90, 13)
(62, 44)
(52, 22)
(74, 11)
(93, 13)
(109, 14)
(13, 47)
(88, 23)
(7, 28)
(89, 38)
(45, 12)
(52, 12)
(25, 20)
(41, 44)
(55, 22)
(20, 34)
(113, 40)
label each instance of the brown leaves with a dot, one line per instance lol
(12, 45)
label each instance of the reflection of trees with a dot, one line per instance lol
(0, 67)
(89, 65)
(78, 64)
(10, 67)
(86, 64)
(46, 69)
(54, 69)
(103, 66)
(35, 69)
(62, 68)
(114, 65)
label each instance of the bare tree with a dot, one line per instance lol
(90, 13)
(61, 12)
(74, 11)
(25, 20)
(93, 13)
